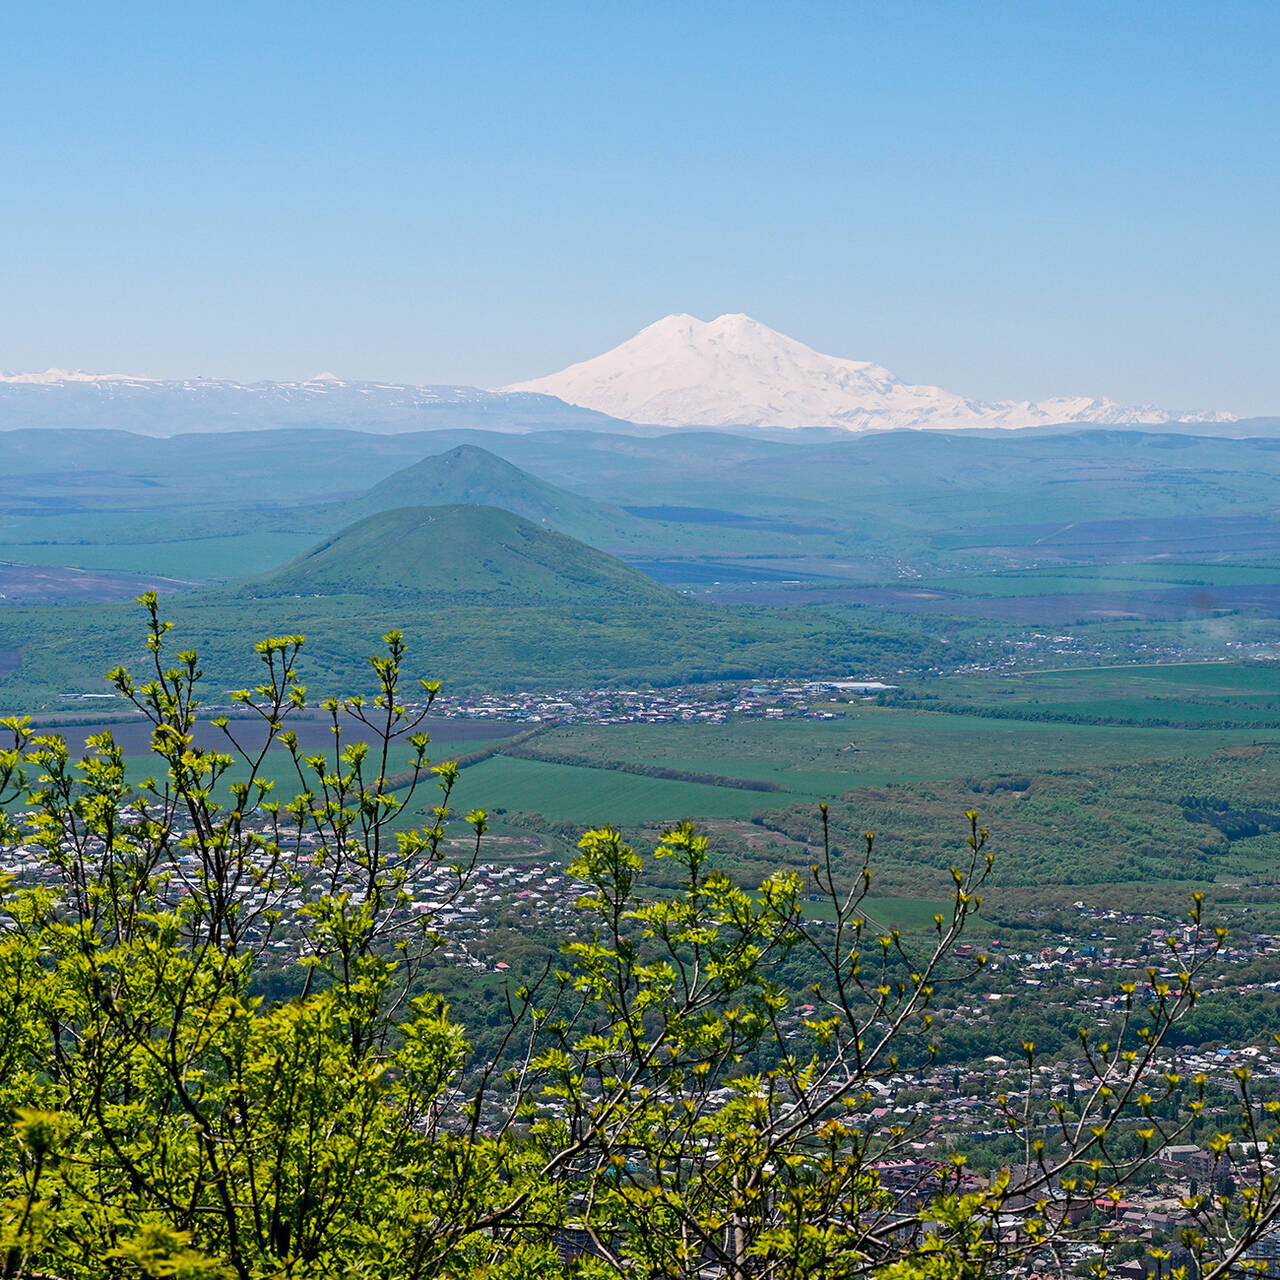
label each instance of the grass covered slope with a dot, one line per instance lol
(461, 555)
(471, 476)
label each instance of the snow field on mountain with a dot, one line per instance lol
(734, 371)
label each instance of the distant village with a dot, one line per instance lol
(700, 704)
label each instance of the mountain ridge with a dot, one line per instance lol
(58, 399)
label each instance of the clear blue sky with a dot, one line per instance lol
(1020, 199)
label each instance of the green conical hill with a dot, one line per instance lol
(470, 476)
(461, 555)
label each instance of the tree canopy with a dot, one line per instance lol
(665, 1100)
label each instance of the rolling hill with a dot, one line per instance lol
(460, 554)
(471, 476)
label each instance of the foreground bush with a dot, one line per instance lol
(648, 1112)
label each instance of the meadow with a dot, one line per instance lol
(1109, 578)
(449, 739)
(1098, 811)
(199, 559)
(875, 746)
(1104, 812)
(598, 796)
(1124, 814)
(1243, 695)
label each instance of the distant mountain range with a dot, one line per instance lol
(680, 372)
(734, 371)
(147, 406)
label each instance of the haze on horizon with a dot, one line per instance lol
(1017, 202)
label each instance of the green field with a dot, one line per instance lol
(1098, 811)
(1107, 578)
(1074, 809)
(449, 739)
(204, 559)
(594, 797)
(879, 746)
(1246, 695)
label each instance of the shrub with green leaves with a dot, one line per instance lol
(658, 1105)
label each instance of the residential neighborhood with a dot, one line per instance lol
(923, 1118)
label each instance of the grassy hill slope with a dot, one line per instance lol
(461, 554)
(471, 476)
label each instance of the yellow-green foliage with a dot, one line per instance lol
(655, 1101)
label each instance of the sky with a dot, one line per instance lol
(1007, 200)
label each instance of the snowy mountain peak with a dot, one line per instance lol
(56, 377)
(734, 371)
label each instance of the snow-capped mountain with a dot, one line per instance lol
(56, 377)
(149, 406)
(734, 371)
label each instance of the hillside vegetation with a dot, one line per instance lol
(461, 554)
(472, 476)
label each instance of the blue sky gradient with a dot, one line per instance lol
(1005, 199)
